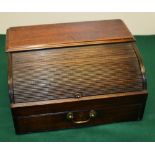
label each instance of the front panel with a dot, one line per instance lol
(75, 72)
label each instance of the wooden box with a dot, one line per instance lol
(74, 75)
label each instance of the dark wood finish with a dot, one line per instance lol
(67, 34)
(53, 106)
(52, 116)
(64, 72)
(88, 66)
(55, 121)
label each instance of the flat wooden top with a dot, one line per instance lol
(66, 34)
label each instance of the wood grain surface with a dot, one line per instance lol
(127, 107)
(74, 68)
(67, 34)
(86, 70)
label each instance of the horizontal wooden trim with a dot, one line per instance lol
(75, 99)
(47, 46)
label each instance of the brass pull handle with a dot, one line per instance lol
(92, 114)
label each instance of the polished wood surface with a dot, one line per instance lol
(54, 116)
(98, 68)
(85, 70)
(59, 121)
(67, 34)
(44, 117)
(83, 99)
(54, 106)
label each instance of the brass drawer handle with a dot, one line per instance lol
(92, 114)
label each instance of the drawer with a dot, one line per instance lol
(72, 119)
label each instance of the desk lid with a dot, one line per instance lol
(66, 34)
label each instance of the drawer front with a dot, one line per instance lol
(72, 119)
